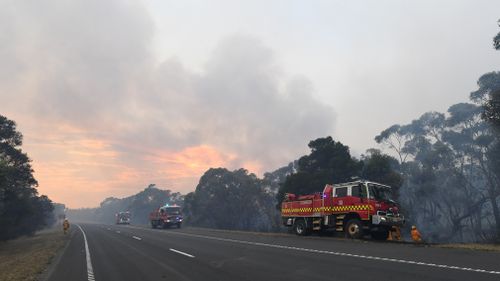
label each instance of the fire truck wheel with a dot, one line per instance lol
(178, 225)
(354, 229)
(300, 228)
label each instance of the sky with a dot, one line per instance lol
(114, 95)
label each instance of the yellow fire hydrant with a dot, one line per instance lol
(66, 226)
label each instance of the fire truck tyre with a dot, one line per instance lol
(153, 224)
(300, 228)
(354, 229)
(179, 225)
(380, 235)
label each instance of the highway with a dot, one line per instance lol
(111, 252)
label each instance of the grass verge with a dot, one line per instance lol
(472, 246)
(25, 258)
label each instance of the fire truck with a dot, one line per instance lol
(166, 216)
(123, 218)
(353, 209)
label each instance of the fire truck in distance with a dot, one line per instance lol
(166, 216)
(354, 209)
(123, 218)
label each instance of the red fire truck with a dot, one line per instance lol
(354, 208)
(123, 218)
(166, 216)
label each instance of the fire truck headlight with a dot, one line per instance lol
(383, 219)
(168, 220)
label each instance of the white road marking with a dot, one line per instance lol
(117, 231)
(90, 271)
(137, 238)
(182, 253)
(330, 252)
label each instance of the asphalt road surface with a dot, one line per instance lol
(110, 252)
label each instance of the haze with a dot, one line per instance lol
(114, 95)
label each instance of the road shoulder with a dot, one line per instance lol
(71, 264)
(49, 270)
(25, 258)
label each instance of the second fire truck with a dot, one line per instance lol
(123, 218)
(166, 216)
(354, 208)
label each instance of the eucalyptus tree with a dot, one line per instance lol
(449, 186)
(231, 200)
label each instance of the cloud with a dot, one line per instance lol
(100, 112)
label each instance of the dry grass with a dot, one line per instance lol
(472, 246)
(26, 257)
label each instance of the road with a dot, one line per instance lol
(110, 252)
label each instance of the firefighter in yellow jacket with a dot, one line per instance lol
(66, 226)
(415, 235)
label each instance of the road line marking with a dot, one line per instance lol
(137, 238)
(333, 253)
(182, 253)
(117, 231)
(90, 271)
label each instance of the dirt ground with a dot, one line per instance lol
(26, 257)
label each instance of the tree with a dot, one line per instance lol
(488, 98)
(329, 162)
(492, 110)
(488, 93)
(381, 168)
(231, 200)
(496, 39)
(21, 210)
(448, 180)
(395, 138)
(273, 180)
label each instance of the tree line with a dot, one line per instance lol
(139, 205)
(22, 210)
(450, 163)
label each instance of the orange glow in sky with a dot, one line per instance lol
(86, 172)
(81, 172)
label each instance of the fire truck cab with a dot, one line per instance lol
(353, 208)
(123, 218)
(166, 216)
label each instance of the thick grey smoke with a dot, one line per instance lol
(240, 102)
(89, 65)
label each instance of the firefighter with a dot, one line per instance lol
(65, 226)
(415, 235)
(394, 234)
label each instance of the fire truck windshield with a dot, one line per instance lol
(172, 210)
(378, 192)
